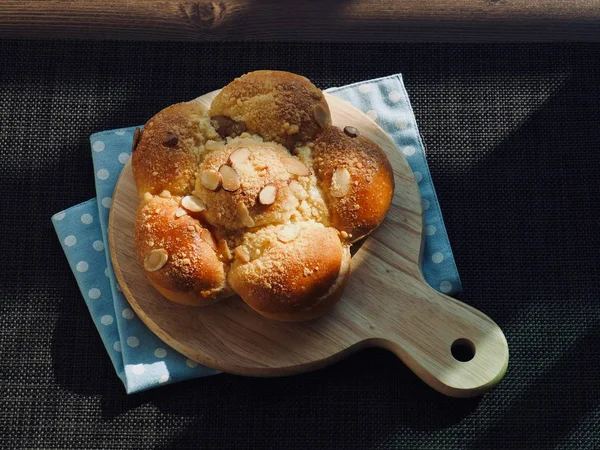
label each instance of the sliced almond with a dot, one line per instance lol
(239, 156)
(288, 233)
(207, 237)
(180, 212)
(242, 254)
(136, 138)
(351, 131)
(321, 115)
(267, 195)
(340, 182)
(231, 179)
(193, 203)
(155, 259)
(224, 247)
(295, 166)
(244, 215)
(211, 179)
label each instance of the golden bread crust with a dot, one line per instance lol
(262, 167)
(193, 274)
(168, 148)
(286, 280)
(279, 106)
(368, 199)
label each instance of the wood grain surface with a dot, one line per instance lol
(310, 20)
(387, 302)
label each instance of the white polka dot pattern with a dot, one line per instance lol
(394, 96)
(409, 150)
(191, 364)
(127, 314)
(98, 146)
(160, 353)
(106, 320)
(82, 233)
(402, 124)
(445, 286)
(372, 114)
(103, 174)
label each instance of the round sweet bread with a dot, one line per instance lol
(259, 196)
(279, 106)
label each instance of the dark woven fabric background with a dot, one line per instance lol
(513, 136)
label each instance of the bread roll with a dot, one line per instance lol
(357, 180)
(178, 254)
(279, 106)
(261, 197)
(167, 152)
(291, 272)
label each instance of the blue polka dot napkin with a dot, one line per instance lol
(143, 361)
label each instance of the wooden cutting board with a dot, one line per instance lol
(387, 302)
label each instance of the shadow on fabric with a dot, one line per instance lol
(365, 389)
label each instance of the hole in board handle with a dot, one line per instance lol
(463, 350)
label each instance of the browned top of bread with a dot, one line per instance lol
(227, 207)
(167, 152)
(279, 106)
(260, 166)
(284, 276)
(191, 264)
(359, 198)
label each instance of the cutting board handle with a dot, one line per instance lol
(456, 349)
